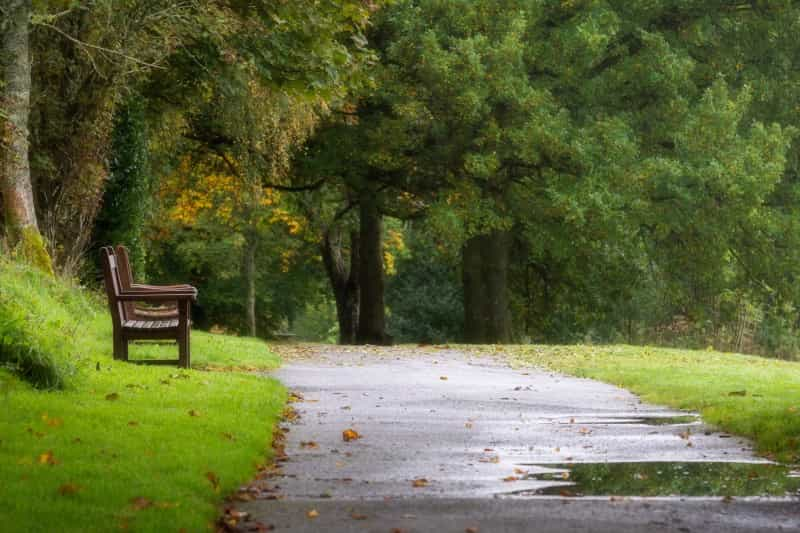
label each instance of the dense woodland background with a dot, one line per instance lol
(436, 170)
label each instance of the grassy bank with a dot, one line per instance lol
(750, 396)
(90, 444)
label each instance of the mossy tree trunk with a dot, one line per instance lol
(21, 227)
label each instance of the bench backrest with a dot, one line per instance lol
(125, 276)
(112, 283)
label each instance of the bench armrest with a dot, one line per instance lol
(170, 295)
(146, 287)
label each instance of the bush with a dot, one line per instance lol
(41, 318)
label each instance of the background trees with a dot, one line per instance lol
(556, 171)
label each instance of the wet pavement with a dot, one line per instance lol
(450, 442)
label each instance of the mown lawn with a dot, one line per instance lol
(751, 396)
(121, 446)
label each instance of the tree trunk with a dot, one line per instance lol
(485, 277)
(344, 282)
(15, 173)
(250, 284)
(372, 319)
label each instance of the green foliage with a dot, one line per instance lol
(126, 199)
(424, 297)
(42, 321)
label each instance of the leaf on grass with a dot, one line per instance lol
(229, 436)
(192, 412)
(350, 434)
(133, 423)
(738, 393)
(313, 513)
(140, 502)
(214, 480)
(419, 483)
(47, 458)
(68, 489)
(113, 396)
(52, 422)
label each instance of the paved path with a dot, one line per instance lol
(448, 442)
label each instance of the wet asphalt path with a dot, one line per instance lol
(450, 442)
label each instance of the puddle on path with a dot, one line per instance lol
(663, 479)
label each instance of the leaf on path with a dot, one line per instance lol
(493, 459)
(214, 480)
(140, 503)
(113, 396)
(313, 513)
(419, 483)
(358, 516)
(47, 458)
(443, 378)
(309, 444)
(520, 471)
(471, 530)
(468, 425)
(350, 434)
(68, 489)
(508, 479)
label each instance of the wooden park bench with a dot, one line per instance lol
(129, 322)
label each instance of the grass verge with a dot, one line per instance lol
(750, 396)
(113, 445)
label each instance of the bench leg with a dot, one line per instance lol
(184, 354)
(120, 347)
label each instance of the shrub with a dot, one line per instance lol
(40, 319)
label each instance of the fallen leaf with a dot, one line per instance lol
(192, 412)
(228, 436)
(133, 423)
(510, 478)
(47, 458)
(68, 489)
(738, 393)
(471, 530)
(358, 516)
(112, 396)
(443, 378)
(419, 483)
(309, 444)
(313, 513)
(214, 480)
(468, 425)
(350, 434)
(53, 422)
(140, 503)
(520, 471)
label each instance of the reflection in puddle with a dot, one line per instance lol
(664, 479)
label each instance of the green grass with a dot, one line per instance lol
(750, 396)
(141, 448)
